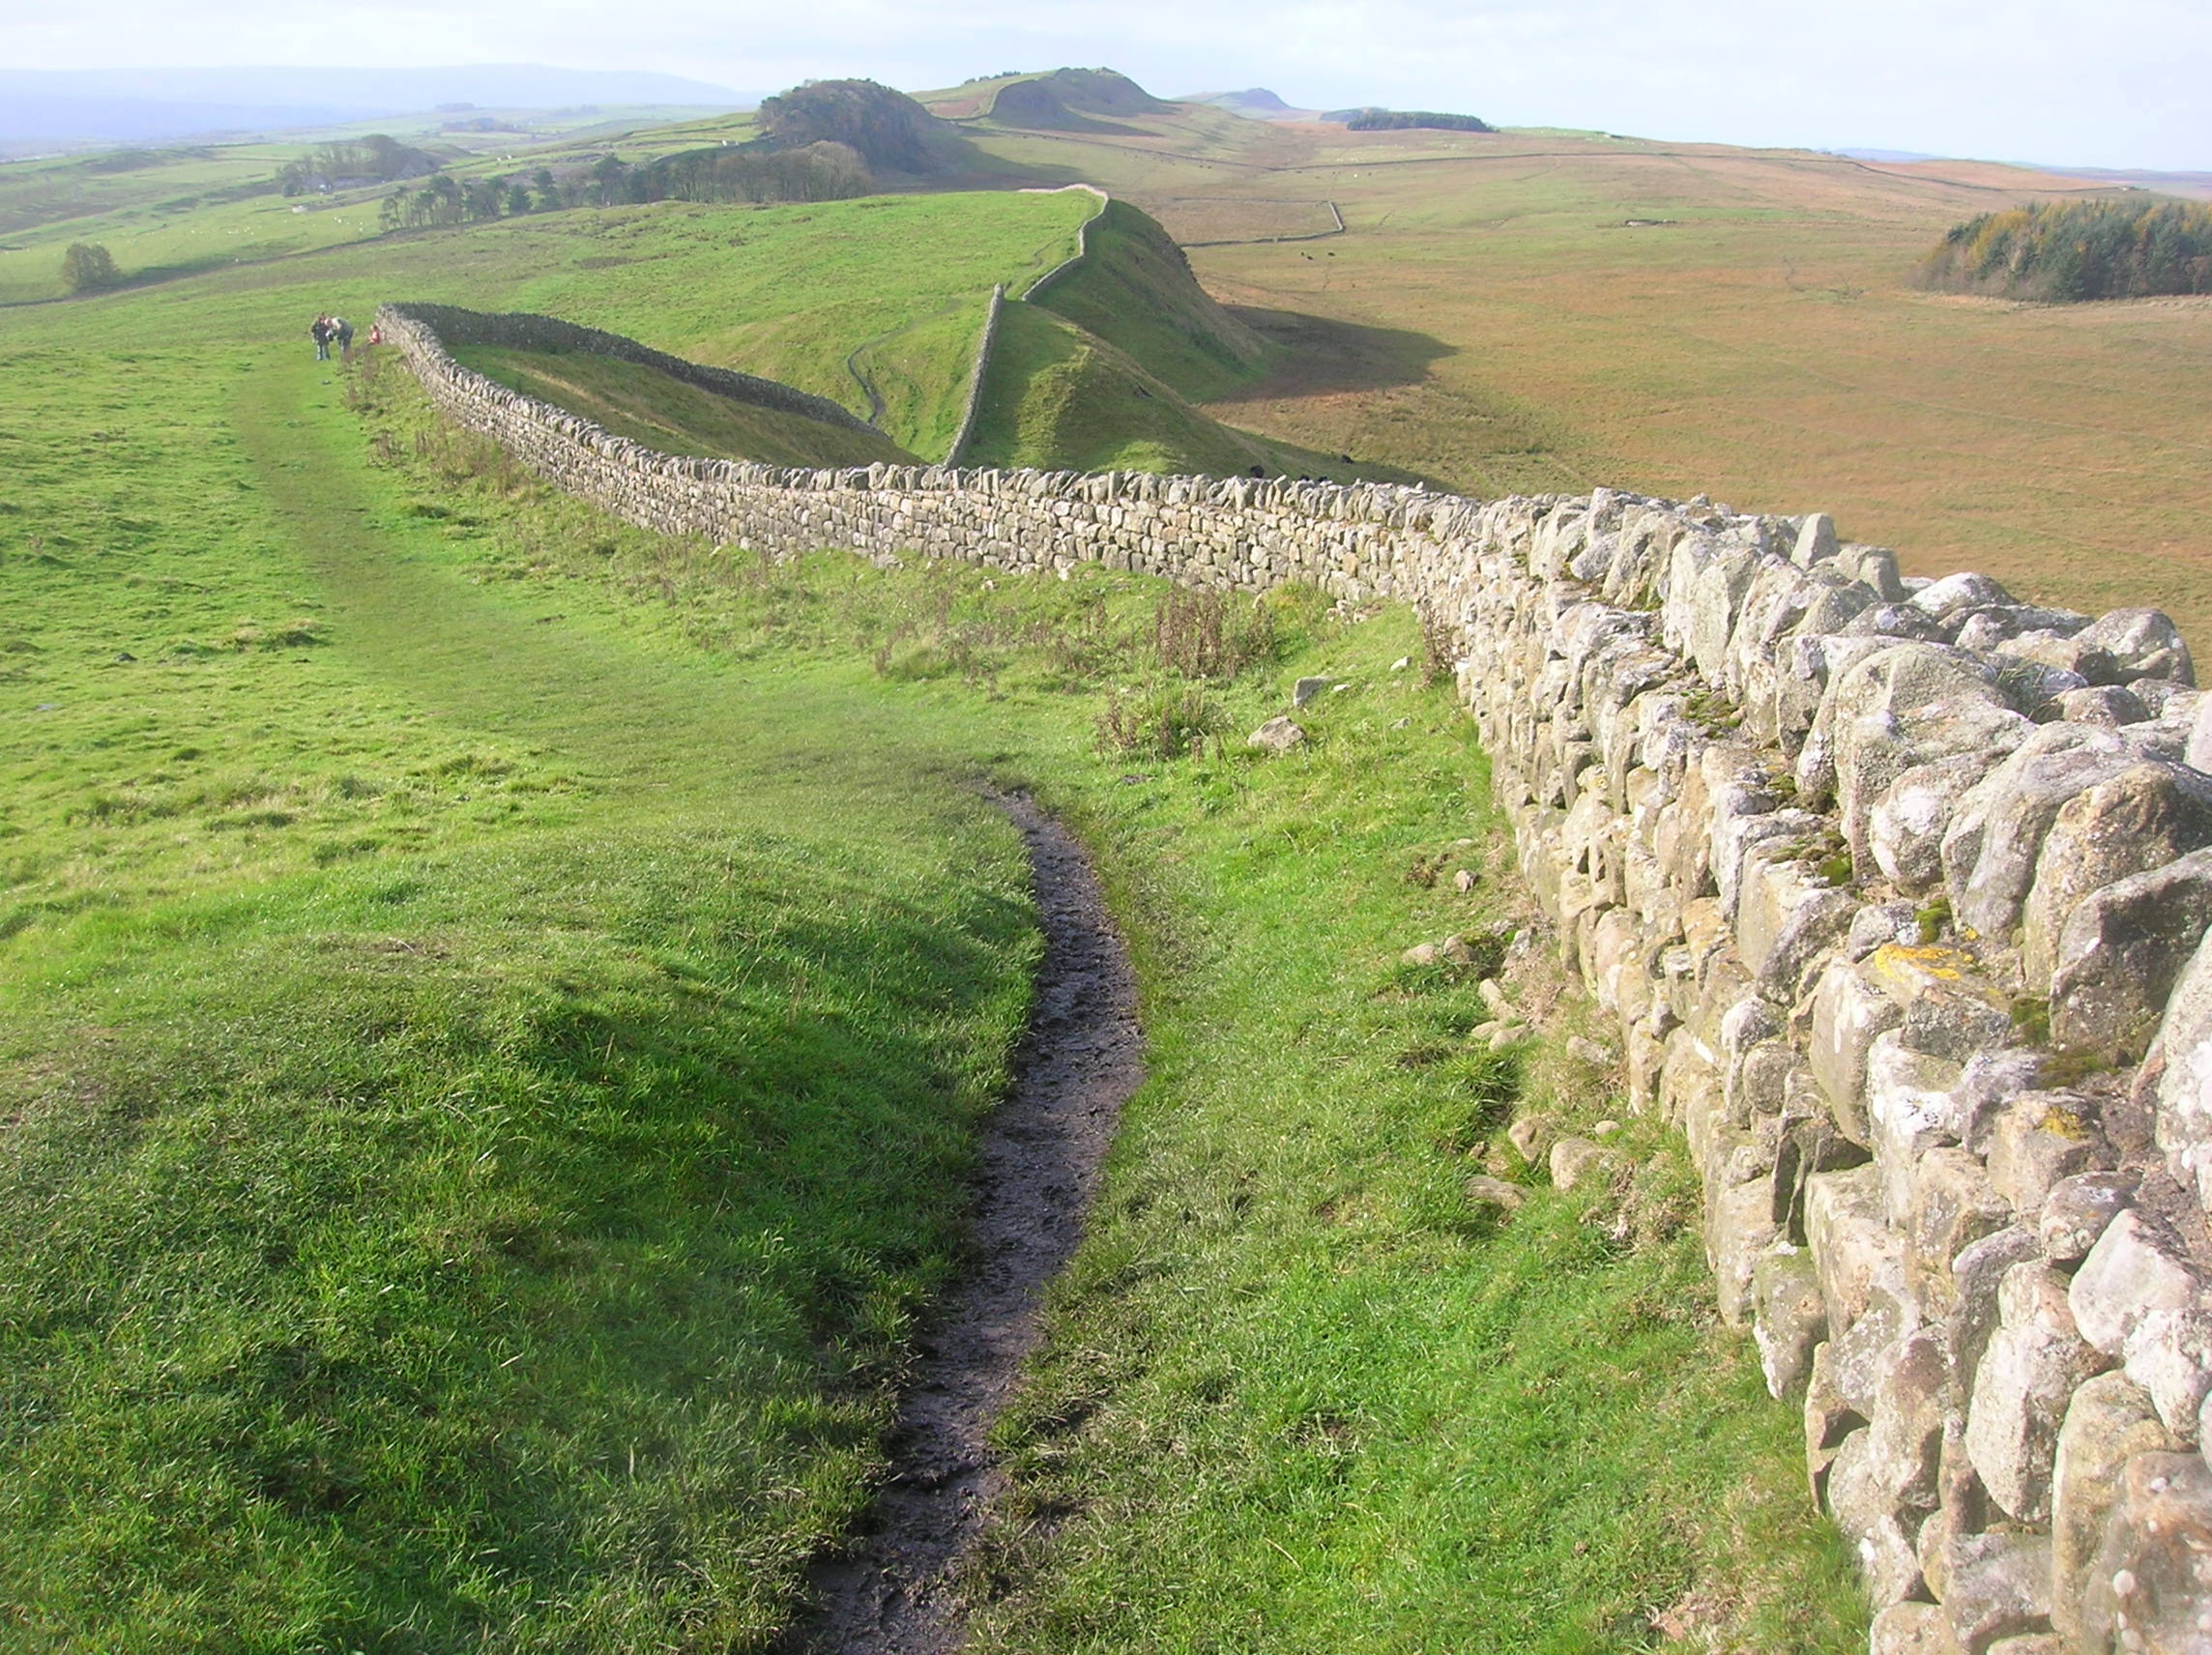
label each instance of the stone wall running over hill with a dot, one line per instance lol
(1895, 891)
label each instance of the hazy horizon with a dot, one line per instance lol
(2035, 81)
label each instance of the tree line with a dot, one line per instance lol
(348, 163)
(1398, 120)
(2069, 251)
(734, 172)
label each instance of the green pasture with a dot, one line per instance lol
(646, 406)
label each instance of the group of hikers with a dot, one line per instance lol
(329, 331)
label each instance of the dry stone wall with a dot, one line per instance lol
(1897, 893)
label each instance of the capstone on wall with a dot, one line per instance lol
(1898, 892)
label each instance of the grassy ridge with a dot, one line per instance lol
(1135, 291)
(646, 406)
(486, 1092)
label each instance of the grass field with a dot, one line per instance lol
(486, 1090)
(646, 406)
(494, 1008)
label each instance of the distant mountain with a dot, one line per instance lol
(1256, 103)
(137, 106)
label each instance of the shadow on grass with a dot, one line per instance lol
(1321, 356)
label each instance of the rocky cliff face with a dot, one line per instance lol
(1899, 891)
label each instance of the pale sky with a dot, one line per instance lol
(2123, 83)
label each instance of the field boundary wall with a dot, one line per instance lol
(1893, 894)
(1030, 294)
(977, 372)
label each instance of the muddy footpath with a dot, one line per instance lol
(891, 1591)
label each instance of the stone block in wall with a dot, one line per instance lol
(1788, 917)
(1952, 1205)
(2141, 643)
(1911, 1402)
(2144, 818)
(1996, 833)
(2076, 1212)
(1904, 707)
(2148, 1591)
(2137, 1297)
(1950, 1010)
(1998, 1588)
(1853, 1248)
(1773, 606)
(1889, 1565)
(1911, 1111)
(1977, 1275)
(2037, 1139)
(1876, 566)
(1906, 826)
(1715, 605)
(1789, 1317)
(2109, 1421)
(1850, 1011)
(1739, 1222)
(2029, 1372)
(2107, 704)
(1743, 815)
(2178, 1073)
(1759, 1077)
(1911, 1628)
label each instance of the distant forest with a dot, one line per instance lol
(1394, 120)
(2068, 251)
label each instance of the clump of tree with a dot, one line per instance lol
(2068, 251)
(88, 267)
(442, 200)
(1395, 120)
(888, 129)
(743, 172)
(351, 162)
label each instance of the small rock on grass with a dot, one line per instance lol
(1452, 951)
(1532, 1136)
(1509, 1034)
(1483, 1190)
(1307, 689)
(1573, 1160)
(1401, 663)
(1277, 735)
(1582, 1049)
(1464, 881)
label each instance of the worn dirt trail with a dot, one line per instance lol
(1082, 1058)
